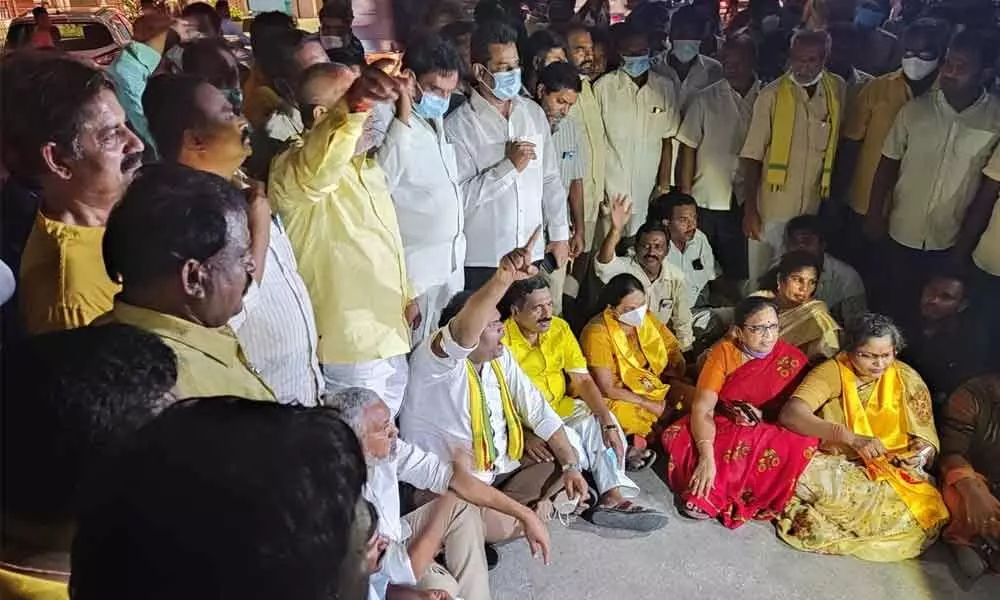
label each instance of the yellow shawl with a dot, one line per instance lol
(892, 417)
(644, 381)
(783, 124)
(484, 452)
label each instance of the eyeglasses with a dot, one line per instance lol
(874, 357)
(762, 329)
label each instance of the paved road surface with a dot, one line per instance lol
(703, 560)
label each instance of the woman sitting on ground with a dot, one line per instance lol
(728, 459)
(970, 474)
(866, 493)
(631, 355)
(805, 321)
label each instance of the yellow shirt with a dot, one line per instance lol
(987, 253)
(801, 193)
(547, 363)
(19, 586)
(63, 283)
(210, 362)
(942, 155)
(587, 114)
(342, 224)
(259, 100)
(869, 119)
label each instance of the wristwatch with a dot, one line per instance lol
(574, 466)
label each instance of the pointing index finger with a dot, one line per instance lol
(533, 239)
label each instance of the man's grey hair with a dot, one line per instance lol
(351, 404)
(812, 37)
(872, 325)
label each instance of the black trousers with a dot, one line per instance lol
(724, 230)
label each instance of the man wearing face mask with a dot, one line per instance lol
(683, 63)
(195, 125)
(932, 164)
(867, 123)
(422, 177)
(77, 145)
(336, 208)
(787, 158)
(335, 21)
(179, 245)
(641, 116)
(507, 166)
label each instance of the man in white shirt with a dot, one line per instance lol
(557, 91)
(711, 135)
(507, 167)
(467, 394)
(683, 63)
(667, 292)
(839, 286)
(641, 115)
(931, 167)
(194, 124)
(422, 176)
(416, 538)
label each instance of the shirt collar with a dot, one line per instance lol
(145, 55)
(516, 337)
(481, 104)
(220, 344)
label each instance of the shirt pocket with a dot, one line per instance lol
(537, 140)
(819, 135)
(659, 123)
(974, 145)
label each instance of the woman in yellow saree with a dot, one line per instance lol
(805, 321)
(631, 354)
(866, 493)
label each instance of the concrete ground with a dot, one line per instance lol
(691, 559)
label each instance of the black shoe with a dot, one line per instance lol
(492, 556)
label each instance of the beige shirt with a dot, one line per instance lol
(667, 296)
(942, 154)
(987, 253)
(637, 120)
(704, 72)
(586, 113)
(800, 194)
(857, 80)
(715, 124)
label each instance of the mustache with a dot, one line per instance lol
(131, 161)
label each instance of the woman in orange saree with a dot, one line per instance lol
(728, 459)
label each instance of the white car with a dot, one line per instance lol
(93, 34)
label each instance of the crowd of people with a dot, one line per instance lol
(312, 327)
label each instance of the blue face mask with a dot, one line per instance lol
(507, 84)
(866, 18)
(235, 97)
(431, 106)
(635, 66)
(685, 50)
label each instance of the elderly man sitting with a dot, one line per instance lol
(546, 350)
(414, 540)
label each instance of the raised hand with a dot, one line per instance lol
(516, 264)
(620, 209)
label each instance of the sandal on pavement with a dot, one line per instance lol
(627, 515)
(693, 512)
(640, 461)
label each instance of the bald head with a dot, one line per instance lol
(321, 87)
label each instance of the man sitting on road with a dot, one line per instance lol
(546, 350)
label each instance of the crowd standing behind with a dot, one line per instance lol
(376, 318)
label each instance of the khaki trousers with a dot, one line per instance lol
(466, 575)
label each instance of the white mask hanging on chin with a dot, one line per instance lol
(805, 84)
(634, 317)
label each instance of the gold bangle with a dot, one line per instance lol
(700, 442)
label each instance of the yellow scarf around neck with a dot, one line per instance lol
(885, 417)
(643, 380)
(783, 124)
(484, 452)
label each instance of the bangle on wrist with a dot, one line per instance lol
(570, 466)
(609, 427)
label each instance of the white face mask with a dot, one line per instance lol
(634, 317)
(331, 42)
(805, 84)
(916, 68)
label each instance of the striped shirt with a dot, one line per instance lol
(277, 328)
(569, 148)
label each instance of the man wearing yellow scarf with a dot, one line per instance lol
(466, 394)
(787, 158)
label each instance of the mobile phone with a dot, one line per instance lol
(548, 263)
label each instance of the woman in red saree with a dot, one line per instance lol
(728, 459)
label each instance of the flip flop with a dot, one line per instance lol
(628, 516)
(634, 465)
(693, 512)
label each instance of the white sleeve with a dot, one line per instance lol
(555, 208)
(422, 470)
(7, 283)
